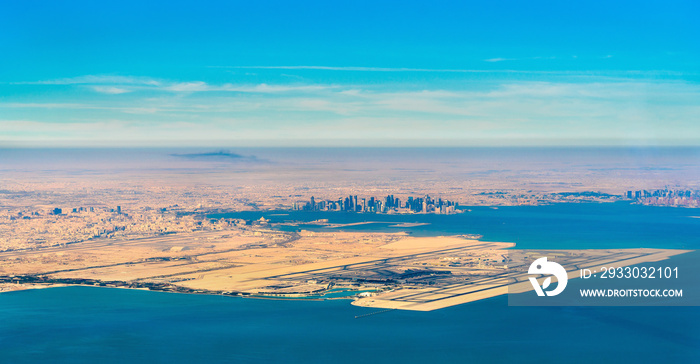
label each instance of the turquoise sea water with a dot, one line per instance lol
(89, 325)
(102, 325)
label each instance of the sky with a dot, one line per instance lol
(349, 73)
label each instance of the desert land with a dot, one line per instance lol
(393, 270)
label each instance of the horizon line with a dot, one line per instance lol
(228, 147)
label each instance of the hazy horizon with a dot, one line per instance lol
(392, 144)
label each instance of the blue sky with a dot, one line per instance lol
(86, 73)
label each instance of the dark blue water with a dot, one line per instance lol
(102, 325)
(89, 325)
(559, 226)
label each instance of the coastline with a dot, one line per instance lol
(432, 297)
(262, 260)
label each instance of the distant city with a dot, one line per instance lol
(426, 204)
(389, 204)
(43, 223)
(666, 197)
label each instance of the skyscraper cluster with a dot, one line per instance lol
(666, 197)
(389, 204)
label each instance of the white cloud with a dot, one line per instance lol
(96, 80)
(618, 109)
(357, 69)
(124, 84)
(83, 106)
(199, 86)
(112, 90)
(196, 86)
(499, 59)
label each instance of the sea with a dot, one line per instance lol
(110, 325)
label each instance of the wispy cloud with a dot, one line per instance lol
(504, 72)
(124, 84)
(360, 69)
(199, 86)
(80, 106)
(112, 90)
(96, 80)
(626, 108)
(499, 59)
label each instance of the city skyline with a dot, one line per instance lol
(316, 74)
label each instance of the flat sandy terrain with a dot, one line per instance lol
(411, 273)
